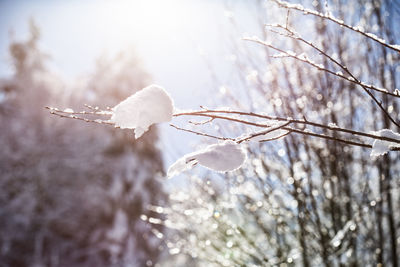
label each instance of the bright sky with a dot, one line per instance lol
(168, 35)
(171, 37)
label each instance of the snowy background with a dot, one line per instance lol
(182, 44)
(86, 194)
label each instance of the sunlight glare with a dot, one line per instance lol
(129, 20)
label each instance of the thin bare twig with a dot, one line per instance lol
(294, 35)
(201, 134)
(203, 113)
(201, 122)
(304, 59)
(269, 130)
(291, 120)
(275, 138)
(213, 114)
(341, 23)
(71, 116)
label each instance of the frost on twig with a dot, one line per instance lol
(154, 105)
(290, 33)
(77, 115)
(144, 108)
(328, 16)
(222, 157)
(305, 59)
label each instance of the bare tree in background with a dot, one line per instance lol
(309, 198)
(319, 187)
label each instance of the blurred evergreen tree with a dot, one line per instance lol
(73, 195)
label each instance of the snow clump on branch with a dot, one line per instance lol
(154, 105)
(142, 109)
(380, 147)
(222, 157)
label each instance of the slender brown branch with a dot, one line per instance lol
(275, 138)
(201, 134)
(204, 114)
(213, 114)
(72, 116)
(201, 122)
(305, 132)
(290, 120)
(323, 136)
(270, 130)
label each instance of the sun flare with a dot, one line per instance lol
(141, 19)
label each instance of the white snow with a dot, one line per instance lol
(339, 73)
(380, 147)
(270, 135)
(68, 110)
(222, 157)
(142, 109)
(337, 239)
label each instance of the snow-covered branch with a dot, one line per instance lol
(153, 105)
(290, 33)
(351, 78)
